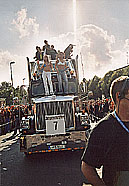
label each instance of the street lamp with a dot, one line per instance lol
(12, 62)
(23, 99)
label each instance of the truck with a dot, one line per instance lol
(55, 122)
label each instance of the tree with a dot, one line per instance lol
(9, 92)
(110, 76)
(6, 91)
(94, 86)
(101, 86)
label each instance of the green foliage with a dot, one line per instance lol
(9, 92)
(94, 86)
(101, 86)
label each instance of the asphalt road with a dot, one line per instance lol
(48, 169)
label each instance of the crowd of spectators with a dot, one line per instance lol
(97, 109)
(10, 118)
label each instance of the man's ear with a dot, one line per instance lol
(118, 96)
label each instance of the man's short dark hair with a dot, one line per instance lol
(45, 41)
(117, 86)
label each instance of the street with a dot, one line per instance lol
(52, 169)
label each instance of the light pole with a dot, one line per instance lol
(23, 99)
(12, 62)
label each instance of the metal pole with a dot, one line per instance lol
(29, 73)
(11, 71)
(11, 74)
(23, 91)
(12, 77)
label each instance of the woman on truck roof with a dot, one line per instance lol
(47, 68)
(61, 67)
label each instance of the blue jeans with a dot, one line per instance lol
(62, 75)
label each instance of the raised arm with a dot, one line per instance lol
(56, 66)
(51, 65)
(66, 66)
(39, 65)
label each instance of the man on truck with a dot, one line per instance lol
(108, 144)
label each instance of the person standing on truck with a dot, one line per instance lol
(46, 48)
(47, 68)
(53, 53)
(61, 67)
(39, 54)
(108, 145)
(68, 51)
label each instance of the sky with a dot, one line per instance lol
(98, 28)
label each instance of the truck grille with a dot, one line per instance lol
(54, 108)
